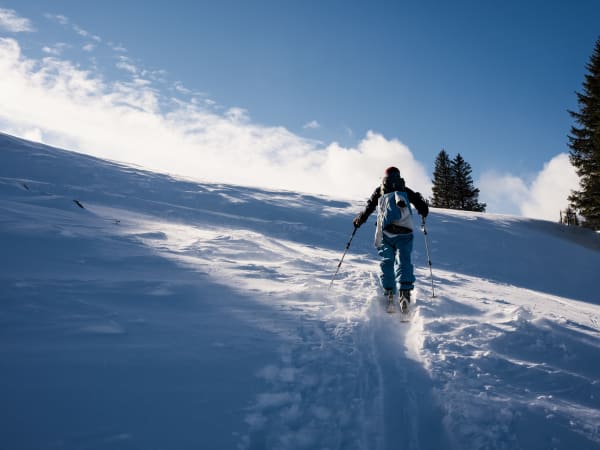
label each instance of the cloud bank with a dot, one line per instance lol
(11, 22)
(58, 103)
(544, 197)
(133, 120)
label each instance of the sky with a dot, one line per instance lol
(308, 96)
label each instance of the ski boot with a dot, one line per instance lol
(404, 300)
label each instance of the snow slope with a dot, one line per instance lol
(169, 314)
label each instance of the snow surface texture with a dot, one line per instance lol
(166, 314)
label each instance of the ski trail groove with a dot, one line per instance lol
(325, 391)
(344, 379)
(412, 418)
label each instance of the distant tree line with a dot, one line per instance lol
(584, 142)
(453, 184)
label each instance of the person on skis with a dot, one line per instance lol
(394, 234)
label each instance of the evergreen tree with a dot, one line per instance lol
(465, 194)
(443, 185)
(584, 142)
(569, 217)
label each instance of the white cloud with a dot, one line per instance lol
(542, 198)
(34, 134)
(179, 87)
(57, 18)
(503, 193)
(550, 189)
(237, 115)
(312, 125)
(160, 76)
(80, 31)
(10, 21)
(31, 134)
(117, 47)
(126, 65)
(127, 121)
(56, 49)
(357, 171)
(86, 34)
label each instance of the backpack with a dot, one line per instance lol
(394, 207)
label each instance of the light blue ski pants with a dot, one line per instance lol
(397, 271)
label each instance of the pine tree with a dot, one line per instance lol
(443, 185)
(453, 185)
(569, 217)
(584, 142)
(465, 194)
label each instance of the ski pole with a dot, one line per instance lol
(341, 260)
(428, 257)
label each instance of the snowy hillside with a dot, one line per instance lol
(139, 311)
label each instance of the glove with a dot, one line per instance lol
(359, 220)
(421, 205)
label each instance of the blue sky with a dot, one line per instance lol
(352, 82)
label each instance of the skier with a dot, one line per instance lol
(394, 234)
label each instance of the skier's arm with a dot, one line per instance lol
(417, 199)
(371, 205)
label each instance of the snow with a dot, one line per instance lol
(167, 313)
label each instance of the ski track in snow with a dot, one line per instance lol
(485, 364)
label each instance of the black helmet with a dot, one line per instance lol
(392, 181)
(391, 170)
